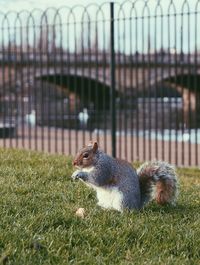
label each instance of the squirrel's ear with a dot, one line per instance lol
(95, 147)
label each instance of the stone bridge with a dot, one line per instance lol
(90, 80)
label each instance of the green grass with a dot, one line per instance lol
(38, 224)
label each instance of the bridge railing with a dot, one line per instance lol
(125, 74)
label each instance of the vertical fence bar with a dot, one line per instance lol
(137, 85)
(131, 84)
(70, 104)
(104, 64)
(96, 52)
(82, 80)
(169, 95)
(10, 110)
(144, 84)
(119, 79)
(34, 90)
(3, 81)
(196, 84)
(126, 110)
(112, 71)
(61, 82)
(189, 86)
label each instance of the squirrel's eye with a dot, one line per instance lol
(85, 155)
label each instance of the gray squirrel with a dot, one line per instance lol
(118, 185)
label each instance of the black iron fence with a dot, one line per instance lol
(127, 75)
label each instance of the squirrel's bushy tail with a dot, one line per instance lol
(158, 181)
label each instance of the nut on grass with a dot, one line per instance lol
(80, 212)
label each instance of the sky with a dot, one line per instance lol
(7, 5)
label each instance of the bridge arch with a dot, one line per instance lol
(188, 85)
(88, 89)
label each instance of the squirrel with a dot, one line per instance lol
(119, 186)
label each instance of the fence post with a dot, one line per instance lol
(112, 76)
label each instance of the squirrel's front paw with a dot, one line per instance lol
(74, 175)
(79, 175)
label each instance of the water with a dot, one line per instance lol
(192, 136)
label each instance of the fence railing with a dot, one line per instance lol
(127, 75)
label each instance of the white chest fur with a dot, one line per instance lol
(88, 169)
(109, 198)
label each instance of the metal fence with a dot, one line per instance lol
(127, 75)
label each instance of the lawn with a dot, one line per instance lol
(38, 201)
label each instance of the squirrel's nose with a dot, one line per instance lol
(75, 162)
